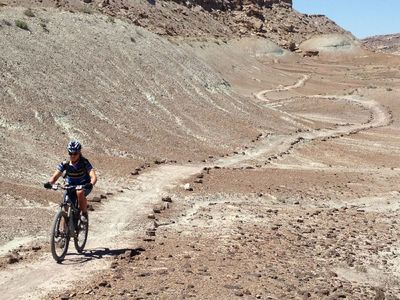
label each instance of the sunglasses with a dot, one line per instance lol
(73, 153)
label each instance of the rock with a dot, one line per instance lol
(310, 53)
(135, 173)
(36, 248)
(148, 239)
(239, 293)
(157, 209)
(103, 196)
(199, 176)
(166, 205)
(64, 297)
(151, 232)
(151, 216)
(13, 258)
(104, 3)
(198, 180)
(128, 254)
(187, 187)
(166, 199)
(95, 199)
(87, 1)
(103, 283)
(160, 161)
(113, 265)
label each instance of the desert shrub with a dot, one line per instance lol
(29, 13)
(21, 24)
(389, 89)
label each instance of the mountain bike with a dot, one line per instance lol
(67, 224)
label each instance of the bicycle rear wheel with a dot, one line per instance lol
(81, 235)
(59, 236)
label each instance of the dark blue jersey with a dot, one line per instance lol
(78, 173)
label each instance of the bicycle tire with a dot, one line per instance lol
(80, 246)
(55, 233)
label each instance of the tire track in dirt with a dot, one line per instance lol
(121, 220)
(116, 226)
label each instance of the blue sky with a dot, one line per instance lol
(362, 17)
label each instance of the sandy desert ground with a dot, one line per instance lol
(291, 161)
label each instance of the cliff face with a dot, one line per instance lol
(232, 5)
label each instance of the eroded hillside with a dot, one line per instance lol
(121, 90)
(272, 19)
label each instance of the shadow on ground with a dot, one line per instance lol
(100, 253)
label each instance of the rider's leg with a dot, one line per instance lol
(82, 201)
(62, 221)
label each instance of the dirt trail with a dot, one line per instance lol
(113, 227)
(275, 146)
(120, 221)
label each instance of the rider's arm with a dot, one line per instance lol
(93, 177)
(53, 179)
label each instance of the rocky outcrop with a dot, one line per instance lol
(226, 19)
(225, 5)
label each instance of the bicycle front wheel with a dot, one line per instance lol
(80, 238)
(59, 236)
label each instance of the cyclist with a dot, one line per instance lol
(78, 171)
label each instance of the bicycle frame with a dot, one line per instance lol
(69, 206)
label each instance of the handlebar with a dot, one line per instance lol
(58, 186)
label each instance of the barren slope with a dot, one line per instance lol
(122, 91)
(389, 43)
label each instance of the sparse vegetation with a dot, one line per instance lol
(21, 24)
(29, 13)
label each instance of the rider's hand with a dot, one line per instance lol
(88, 186)
(47, 185)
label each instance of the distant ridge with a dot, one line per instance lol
(389, 43)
